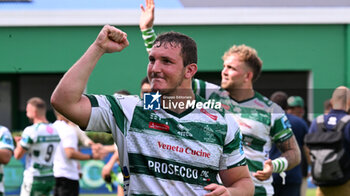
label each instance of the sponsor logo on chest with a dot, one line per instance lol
(184, 150)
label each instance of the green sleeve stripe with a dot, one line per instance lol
(117, 113)
(149, 31)
(260, 190)
(93, 100)
(233, 145)
(278, 165)
(194, 86)
(202, 88)
(254, 165)
(283, 166)
(30, 141)
(283, 135)
(280, 124)
(148, 37)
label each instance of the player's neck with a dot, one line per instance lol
(242, 93)
(40, 120)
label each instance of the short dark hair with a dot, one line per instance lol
(188, 45)
(280, 98)
(39, 104)
(144, 81)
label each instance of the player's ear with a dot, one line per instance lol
(190, 70)
(249, 75)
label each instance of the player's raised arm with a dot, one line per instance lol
(68, 98)
(147, 15)
(146, 24)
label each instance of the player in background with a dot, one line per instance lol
(39, 141)
(6, 151)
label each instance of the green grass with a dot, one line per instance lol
(309, 192)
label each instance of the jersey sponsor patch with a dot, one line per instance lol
(214, 117)
(258, 103)
(185, 150)
(226, 107)
(158, 126)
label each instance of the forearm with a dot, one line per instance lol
(307, 154)
(82, 137)
(290, 151)
(112, 161)
(19, 152)
(109, 148)
(76, 155)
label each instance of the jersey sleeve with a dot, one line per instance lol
(28, 138)
(67, 135)
(281, 128)
(108, 112)
(233, 154)
(6, 141)
(82, 137)
(204, 89)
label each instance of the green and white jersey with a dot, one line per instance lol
(261, 122)
(41, 141)
(164, 153)
(6, 142)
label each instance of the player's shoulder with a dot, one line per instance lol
(204, 88)
(29, 129)
(3, 129)
(263, 100)
(213, 109)
(100, 100)
(62, 127)
(5, 133)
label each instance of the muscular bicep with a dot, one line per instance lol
(230, 176)
(79, 112)
(290, 150)
(238, 181)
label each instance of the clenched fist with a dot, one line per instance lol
(111, 39)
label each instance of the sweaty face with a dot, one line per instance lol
(30, 112)
(233, 74)
(165, 69)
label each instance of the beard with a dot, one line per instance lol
(167, 91)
